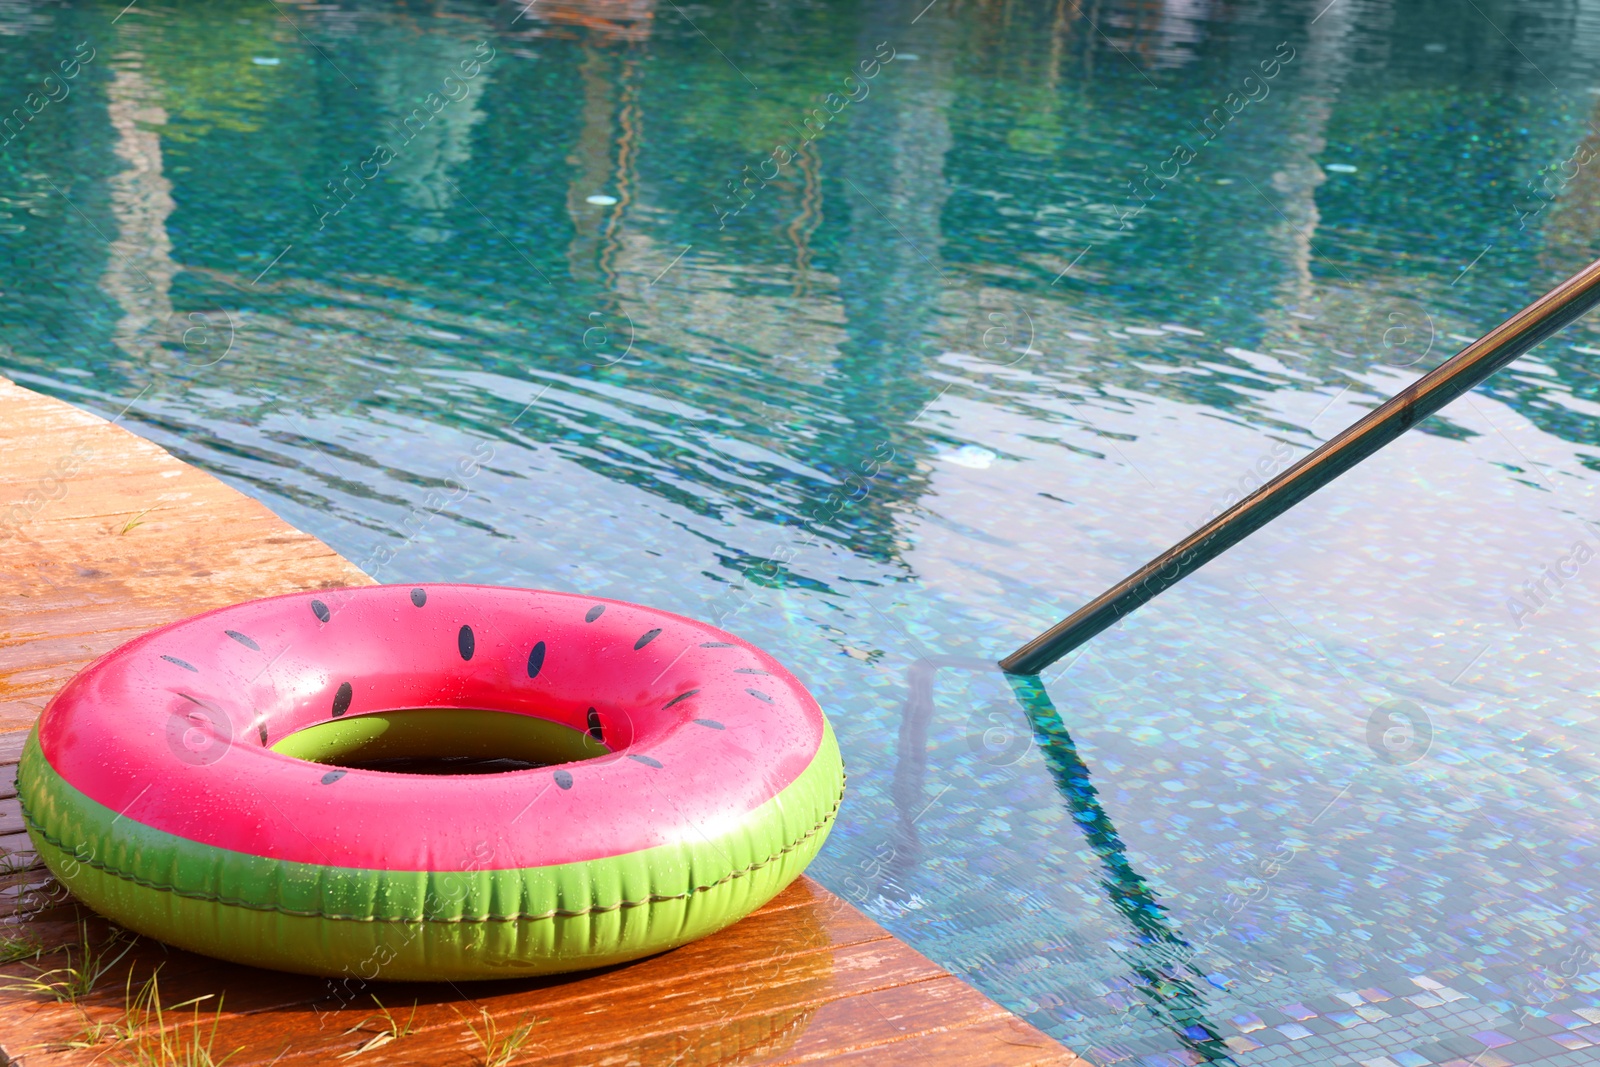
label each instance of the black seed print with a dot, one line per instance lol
(181, 663)
(419, 597)
(465, 642)
(712, 723)
(680, 696)
(594, 613)
(333, 776)
(759, 695)
(536, 660)
(243, 640)
(748, 670)
(563, 779)
(650, 635)
(263, 735)
(341, 699)
(594, 726)
(320, 610)
(715, 644)
(647, 761)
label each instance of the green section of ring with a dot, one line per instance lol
(424, 925)
(433, 731)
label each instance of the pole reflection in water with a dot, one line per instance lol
(1160, 959)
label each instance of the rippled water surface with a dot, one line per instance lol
(615, 297)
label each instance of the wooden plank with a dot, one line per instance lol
(25, 894)
(16, 849)
(930, 1022)
(115, 537)
(1022, 1045)
(777, 954)
(10, 816)
(34, 890)
(637, 1011)
(11, 746)
(104, 535)
(793, 1033)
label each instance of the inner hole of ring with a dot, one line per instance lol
(441, 741)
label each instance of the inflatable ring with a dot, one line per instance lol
(216, 784)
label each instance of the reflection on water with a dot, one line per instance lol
(974, 350)
(1159, 960)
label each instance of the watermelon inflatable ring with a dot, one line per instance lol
(227, 784)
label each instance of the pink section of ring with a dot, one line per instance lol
(172, 729)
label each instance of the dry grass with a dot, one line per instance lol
(499, 1049)
(392, 1030)
(70, 983)
(146, 1035)
(17, 862)
(136, 521)
(151, 1042)
(21, 945)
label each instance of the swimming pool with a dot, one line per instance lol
(1024, 296)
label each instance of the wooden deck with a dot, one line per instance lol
(103, 536)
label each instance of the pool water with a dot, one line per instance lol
(614, 297)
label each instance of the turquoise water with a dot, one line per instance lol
(463, 291)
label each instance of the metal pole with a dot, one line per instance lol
(1457, 375)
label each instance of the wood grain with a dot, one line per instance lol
(104, 536)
